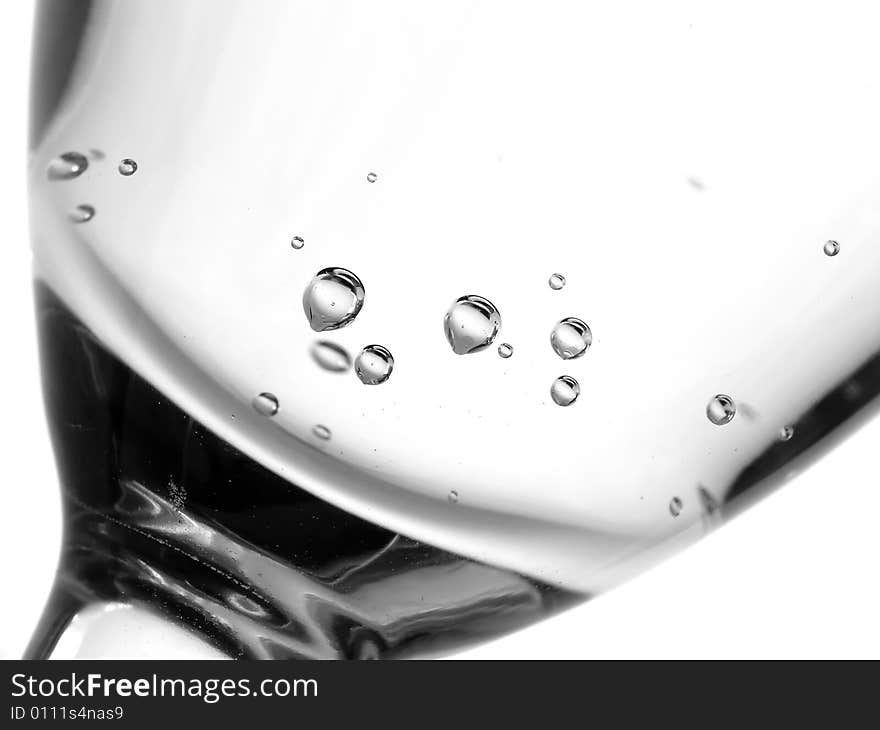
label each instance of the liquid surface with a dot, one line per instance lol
(488, 174)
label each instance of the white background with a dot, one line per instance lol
(794, 577)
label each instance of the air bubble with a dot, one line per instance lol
(452, 497)
(266, 404)
(556, 282)
(297, 242)
(786, 433)
(321, 432)
(675, 505)
(333, 299)
(831, 248)
(374, 365)
(127, 167)
(565, 390)
(372, 177)
(471, 324)
(721, 409)
(67, 166)
(331, 356)
(570, 338)
(82, 214)
(505, 350)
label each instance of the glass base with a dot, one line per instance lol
(162, 516)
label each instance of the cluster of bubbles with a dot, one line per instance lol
(335, 296)
(332, 300)
(70, 165)
(570, 338)
(472, 323)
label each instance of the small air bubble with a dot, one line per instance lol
(831, 248)
(67, 166)
(331, 356)
(556, 282)
(505, 350)
(453, 497)
(297, 242)
(721, 409)
(471, 324)
(127, 167)
(82, 214)
(372, 177)
(266, 404)
(675, 506)
(321, 432)
(570, 338)
(786, 433)
(565, 390)
(373, 365)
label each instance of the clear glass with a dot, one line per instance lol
(370, 329)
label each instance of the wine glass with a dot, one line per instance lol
(372, 330)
